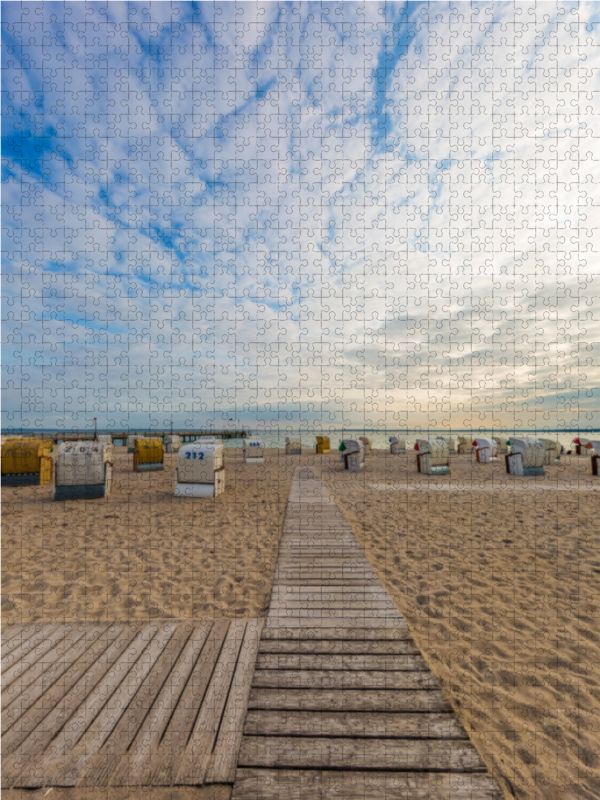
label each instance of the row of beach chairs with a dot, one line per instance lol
(84, 469)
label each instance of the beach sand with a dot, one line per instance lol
(143, 553)
(502, 592)
(500, 587)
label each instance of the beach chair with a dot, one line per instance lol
(148, 455)
(450, 442)
(501, 445)
(485, 449)
(132, 439)
(253, 451)
(552, 455)
(464, 445)
(293, 447)
(26, 461)
(433, 456)
(353, 455)
(526, 457)
(581, 445)
(83, 470)
(397, 445)
(323, 445)
(366, 443)
(593, 448)
(200, 470)
(172, 443)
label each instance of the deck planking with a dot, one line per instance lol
(127, 704)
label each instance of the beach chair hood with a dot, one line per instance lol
(197, 462)
(20, 456)
(82, 463)
(532, 451)
(149, 451)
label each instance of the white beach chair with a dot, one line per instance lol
(200, 470)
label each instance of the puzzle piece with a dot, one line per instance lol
(350, 248)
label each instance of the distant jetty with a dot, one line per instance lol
(120, 437)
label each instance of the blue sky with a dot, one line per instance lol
(289, 214)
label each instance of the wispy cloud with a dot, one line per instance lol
(332, 211)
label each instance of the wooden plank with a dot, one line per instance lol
(24, 639)
(314, 575)
(180, 727)
(309, 566)
(272, 784)
(348, 622)
(348, 700)
(194, 762)
(335, 553)
(36, 715)
(296, 550)
(40, 677)
(310, 543)
(59, 765)
(343, 679)
(10, 631)
(97, 667)
(344, 541)
(26, 766)
(340, 662)
(48, 647)
(334, 632)
(133, 768)
(329, 544)
(339, 646)
(329, 527)
(315, 616)
(318, 580)
(99, 769)
(307, 552)
(355, 562)
(122, 688)
(365, 724)
(321, 570)
(326, 590)
(320, 599)
(290, 548)
(324, 533)
(348, 605)
(227, 748)
(343, 753)
(374, 588)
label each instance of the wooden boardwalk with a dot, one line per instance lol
(343, 705)
(125, 704)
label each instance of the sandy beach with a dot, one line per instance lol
(142, 553)
(501, 590)
(499, 584)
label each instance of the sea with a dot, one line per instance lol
(276, 438)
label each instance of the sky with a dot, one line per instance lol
(292, 215)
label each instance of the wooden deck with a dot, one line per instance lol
(343, 705)
(125, 704)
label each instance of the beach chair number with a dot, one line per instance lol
(199, 456)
